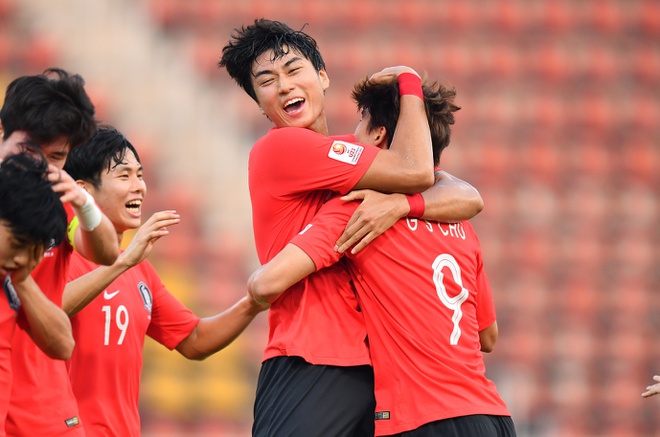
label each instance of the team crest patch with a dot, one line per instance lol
(146, 296)
(382, 415)
(10, 292)
(345, 152)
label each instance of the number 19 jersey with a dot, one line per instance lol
(106, 364)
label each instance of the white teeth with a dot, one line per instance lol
(134, 204)
(293, 101)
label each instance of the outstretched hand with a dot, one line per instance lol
(654, 389)
(145, 237)
(377, 213)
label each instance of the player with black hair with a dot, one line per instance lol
(114, 308)
(48, 115)
(32, 219)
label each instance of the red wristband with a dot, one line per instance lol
(411, 84)
(416, 203)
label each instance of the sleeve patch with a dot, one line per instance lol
(345, 152)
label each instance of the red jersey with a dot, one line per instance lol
(425, 297)
(292, 172)
(41, 401)
(9, 305)
(106, 364)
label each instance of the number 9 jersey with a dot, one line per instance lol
(425, 297)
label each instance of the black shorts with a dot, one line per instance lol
(298, 399)
(479, 425)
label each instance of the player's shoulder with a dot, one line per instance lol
(291, 134)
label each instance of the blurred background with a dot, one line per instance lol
(558, 130)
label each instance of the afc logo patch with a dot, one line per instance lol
(145, 293)
(345, 152)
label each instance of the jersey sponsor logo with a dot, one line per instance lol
(345, 152)
(146, 296)
(10, 292)
(108, 296)
(71, 422)
(382, 415)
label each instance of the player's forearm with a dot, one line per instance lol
(272, 279)
(80, 292)
(48, 326)
(451, 200)
(412, 145)
(213, 334)
(100, 245)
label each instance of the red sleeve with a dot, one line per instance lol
(171, 321)
(318, 239)
(307, 161)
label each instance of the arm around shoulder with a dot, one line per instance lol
(451, 199)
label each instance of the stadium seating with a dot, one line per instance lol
(558, 130)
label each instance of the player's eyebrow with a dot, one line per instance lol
(269, 71)
(125, 166)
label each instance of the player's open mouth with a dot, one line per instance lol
(134, 206)
(294, 105)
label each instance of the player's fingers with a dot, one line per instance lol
(371, 236)
(353, 237)
(354, 195)
(353, 225)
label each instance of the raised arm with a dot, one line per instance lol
(407, 166)
(81, 291)
(449, 200)
(95, 238)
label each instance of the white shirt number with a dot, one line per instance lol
(121, 320)
(453, 303)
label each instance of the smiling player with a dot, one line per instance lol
(114, 308)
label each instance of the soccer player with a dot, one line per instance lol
(316, 378)
(50, 114)
(113, 308)
(424, 294)
(32, 219)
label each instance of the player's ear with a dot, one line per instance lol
(325, 80)
(380, 137)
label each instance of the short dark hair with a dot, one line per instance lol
(249, 42)
(382, 102)
(104, 151)
(48, 106)
(28, 204)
